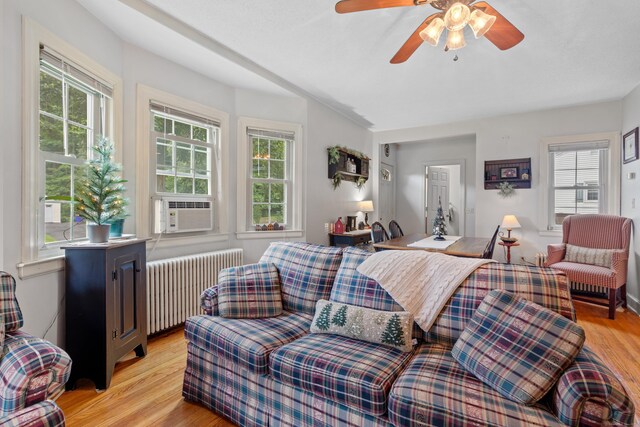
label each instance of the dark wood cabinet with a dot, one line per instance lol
(106, 313)
(350, 166)
(352, 238)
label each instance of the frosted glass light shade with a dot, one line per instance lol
(431, 34)
(365, 206)
(455, 40)
(481, 22)
(510, 222)
(457, 16)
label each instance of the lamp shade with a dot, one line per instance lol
(510, 222)
(457, 16)
(480, 22)
(455, 40)
(431, 34)
(365, 206)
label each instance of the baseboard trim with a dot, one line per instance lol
(633, 304)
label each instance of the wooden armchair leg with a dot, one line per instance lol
(612, 303)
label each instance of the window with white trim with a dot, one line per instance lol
(75, 108)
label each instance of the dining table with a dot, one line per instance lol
(468, 247)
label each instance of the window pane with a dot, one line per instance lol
(277, 169)
(201, 160)
(158, 124)
(260, 169)
(183, 158)
(77, 141)
(565, 178)
(588, 177)
(277, 150)
(277, 193)
(77, 105)
(184, 185)
(57, 180)
(588, 159)
(50, 94)
(164, 154)
(565, 160)
(202, 186)
(165, 184)
(182, 129)
(260, 193)
(260, 214)
(200, 134)
(57, 221)
(277, 213)
(78, 228)
(51, 135)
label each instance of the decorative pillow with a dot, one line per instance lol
(392, 328)
(9, 308)
(249, 291)
(601, 257)
(517, 347)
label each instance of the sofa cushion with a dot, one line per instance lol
(517, 347)
(247, 342)
(9, 308)
(249, 291)
(585, 273)
(544, 286)
(593, 256)
(434, 390)
(306, 272)
(347, 371)
(392, 328)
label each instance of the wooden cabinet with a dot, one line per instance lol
(351, 238)
(106, 313)
(351, 167)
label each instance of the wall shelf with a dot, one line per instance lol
(362, 167)
(516, 172)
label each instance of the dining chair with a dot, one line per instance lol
(378, 233)
(394, 229)
(488, 250)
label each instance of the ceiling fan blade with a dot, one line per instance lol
(412, 43)
(503, 33)
(348, 6)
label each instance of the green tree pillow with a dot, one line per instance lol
(392, 328)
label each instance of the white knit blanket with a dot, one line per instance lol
(421, 282)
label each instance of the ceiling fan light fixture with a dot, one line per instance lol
(455, 40)
(481, 22)
(457, 16)
(431, 34)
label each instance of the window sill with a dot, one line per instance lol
(40, 267)
(245, 235)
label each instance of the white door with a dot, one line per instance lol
(387, 209)
(437, 189)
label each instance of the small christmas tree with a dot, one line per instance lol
(392, 334)
(357, 324)
(323, 318)
(100, 196)
(439, 226)
(340, 318)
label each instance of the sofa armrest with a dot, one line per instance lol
(31, 370)
(209, 301)
(555, 253)
(619, 261)
(588, 393)
(41, 414)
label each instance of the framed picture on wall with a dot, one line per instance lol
(510, 172)
(630, 146)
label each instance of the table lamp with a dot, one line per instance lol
(509, 222)
(366, 206)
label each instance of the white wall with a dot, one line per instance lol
(630, 191)
(515, 136)
(322, 127)
(412, 158)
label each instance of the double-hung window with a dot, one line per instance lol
(75, 108)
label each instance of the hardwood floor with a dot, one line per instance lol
(147, 391)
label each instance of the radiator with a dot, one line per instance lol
(541, 258)
(578, 288)
(174, 285)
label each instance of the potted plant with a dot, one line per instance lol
(100, 194)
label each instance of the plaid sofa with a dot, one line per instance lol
(32, 370)
(273, 372)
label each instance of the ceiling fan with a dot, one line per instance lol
(454, 15)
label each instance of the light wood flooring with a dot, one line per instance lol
(147, 391)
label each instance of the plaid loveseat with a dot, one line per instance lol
(32, 370)
(273, 372)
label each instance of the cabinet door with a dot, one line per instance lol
(127, 290)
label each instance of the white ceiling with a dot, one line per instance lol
(573, 53)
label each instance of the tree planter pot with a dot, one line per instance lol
(98, 233)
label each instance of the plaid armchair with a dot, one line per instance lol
(32, 370)
(595, 251)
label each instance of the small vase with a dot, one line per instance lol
(116, 228)
(98, 233)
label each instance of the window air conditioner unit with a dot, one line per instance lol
(182, 215)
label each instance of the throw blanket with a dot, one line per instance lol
(421, 282)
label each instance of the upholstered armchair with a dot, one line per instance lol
(32, 370)
(594, 251)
